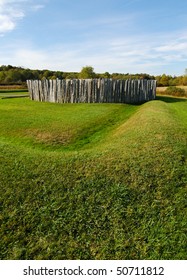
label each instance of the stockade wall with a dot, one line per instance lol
(92, 90)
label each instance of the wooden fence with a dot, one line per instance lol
(92, 90)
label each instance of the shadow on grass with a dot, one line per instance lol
(171, 99)
(13, 96)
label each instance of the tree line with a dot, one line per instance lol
(12, 75)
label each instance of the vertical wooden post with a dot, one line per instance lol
(92, 90)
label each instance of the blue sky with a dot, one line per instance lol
(124, 36)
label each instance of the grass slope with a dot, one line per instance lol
(93, 181)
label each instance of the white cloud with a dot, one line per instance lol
(12, 11)
(37, 7)
(173, 47)
(6, 24)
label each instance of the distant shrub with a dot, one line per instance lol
(175, 91)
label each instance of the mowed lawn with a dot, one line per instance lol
(8, 93)
(93, 181)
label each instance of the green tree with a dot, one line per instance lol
(72, 76)
(87, 72)
(2, 76)
(164, 81)
(106, 75)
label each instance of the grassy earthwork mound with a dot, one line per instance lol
(93, 181)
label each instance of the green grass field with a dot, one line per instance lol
(11, 93)
(93, 181)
